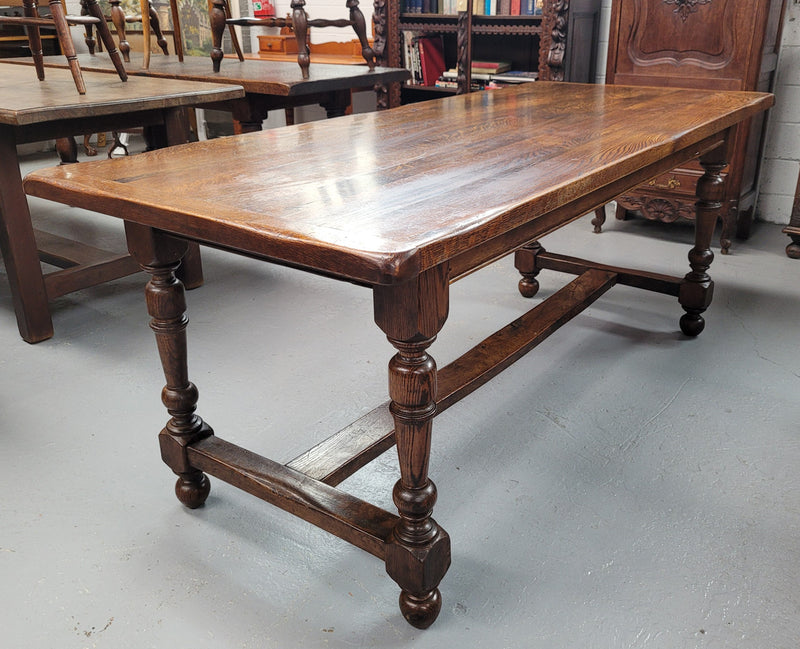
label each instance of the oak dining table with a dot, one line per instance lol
(35, 111)
(403, 203)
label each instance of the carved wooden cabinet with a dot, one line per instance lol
(715, 44)
(560, 44)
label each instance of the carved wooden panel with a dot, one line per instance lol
(690, 41)
(720, 44)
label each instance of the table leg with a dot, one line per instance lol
(176, 123)
(18, 246)
(793, 229)
(249, 113)
(338, 103)
(418, 553)
(160, 255)
(697, 288)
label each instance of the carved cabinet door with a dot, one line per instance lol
(715, 44)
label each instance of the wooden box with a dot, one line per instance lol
(279, 44)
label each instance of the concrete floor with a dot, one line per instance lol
(621, 486)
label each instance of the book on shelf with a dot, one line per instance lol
(452, 73)
(490, 67)
(516, 76)
(411, 59)
(431, 55)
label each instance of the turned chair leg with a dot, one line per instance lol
(67, 46)
(34, 37)
(93, 9)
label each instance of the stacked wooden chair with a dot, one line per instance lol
(32, 21)
(299, 23)
(150, 21)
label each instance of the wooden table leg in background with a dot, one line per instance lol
(793, 229)
(18, 245)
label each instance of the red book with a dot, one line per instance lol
(515, 7)
(431, 58)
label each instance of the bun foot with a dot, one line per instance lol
(421, 612)
(192, 489)
(528, 286)
(692, 324)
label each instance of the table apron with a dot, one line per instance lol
(26, 133)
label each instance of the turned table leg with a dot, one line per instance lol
(160, 255)
(418, 553)
(697, 289)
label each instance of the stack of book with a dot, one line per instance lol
(479, 7)
(488, 74)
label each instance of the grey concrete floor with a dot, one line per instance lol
(621, 486)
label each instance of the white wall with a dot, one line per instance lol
(781, 160)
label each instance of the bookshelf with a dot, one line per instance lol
(560, 43)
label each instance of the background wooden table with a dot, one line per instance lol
(32, 111)
(268, 85)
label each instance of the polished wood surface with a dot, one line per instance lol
(404, 202)
(32, 111)
(262, 77)
(24, 100)
(268, 85)
(359, 211)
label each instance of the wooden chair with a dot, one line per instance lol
(149, 19)
(32, 21)
(299, 22)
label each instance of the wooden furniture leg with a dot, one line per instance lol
(177, 34)
(145, 10)
(34, 37)
(18, 246)
(65, 41)
(93, 9)
(160, 255)
(697, 288)
(793, 229)
(219, 13)
(300, 28)
(599, 219)
(418, 553)
(119, 19)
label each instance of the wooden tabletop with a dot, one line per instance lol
(26, 100)
(380, 197)
(260, 77)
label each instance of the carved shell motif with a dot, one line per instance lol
(685, 7)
